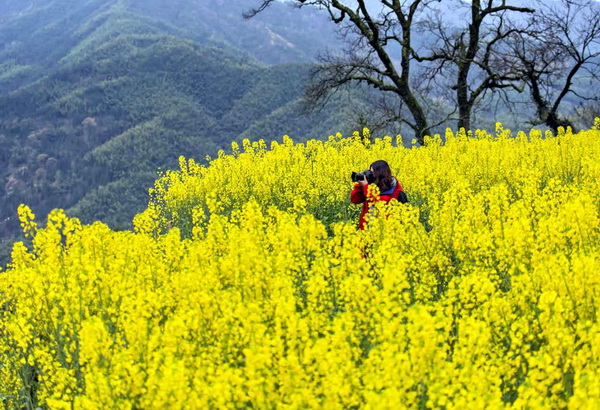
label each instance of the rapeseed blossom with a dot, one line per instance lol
(246, 283)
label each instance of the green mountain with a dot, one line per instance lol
(97, 96)
(35, 35)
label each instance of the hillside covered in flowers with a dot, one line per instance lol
(246, 283)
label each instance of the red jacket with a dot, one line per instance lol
(359, 195)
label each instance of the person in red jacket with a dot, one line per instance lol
(389, 188)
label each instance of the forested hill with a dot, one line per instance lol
(96, 101)
(37, 34)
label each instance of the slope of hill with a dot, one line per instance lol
(86, 125)
(278, 35)
(473, 295)
(36, 35)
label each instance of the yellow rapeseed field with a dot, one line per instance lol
(247, 284)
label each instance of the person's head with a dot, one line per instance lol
(382, 174)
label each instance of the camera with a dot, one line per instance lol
(359, 176)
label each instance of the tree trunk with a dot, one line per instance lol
(464, 115)
(468, 54)
(422, 130)
(405, 91)
(546, 114)
(421, 126)
(554, 121)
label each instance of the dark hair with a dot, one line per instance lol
(383, 175)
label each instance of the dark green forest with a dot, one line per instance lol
(98, 97)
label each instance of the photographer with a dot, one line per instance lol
(379, 174)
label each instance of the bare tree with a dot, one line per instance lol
(372, 34)
(470, 58)
(561, 48)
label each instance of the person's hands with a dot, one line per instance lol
(363, 181)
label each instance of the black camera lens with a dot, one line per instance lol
(359, 176)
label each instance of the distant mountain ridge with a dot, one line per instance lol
(36, 34)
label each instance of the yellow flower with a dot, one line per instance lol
(246, 283)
